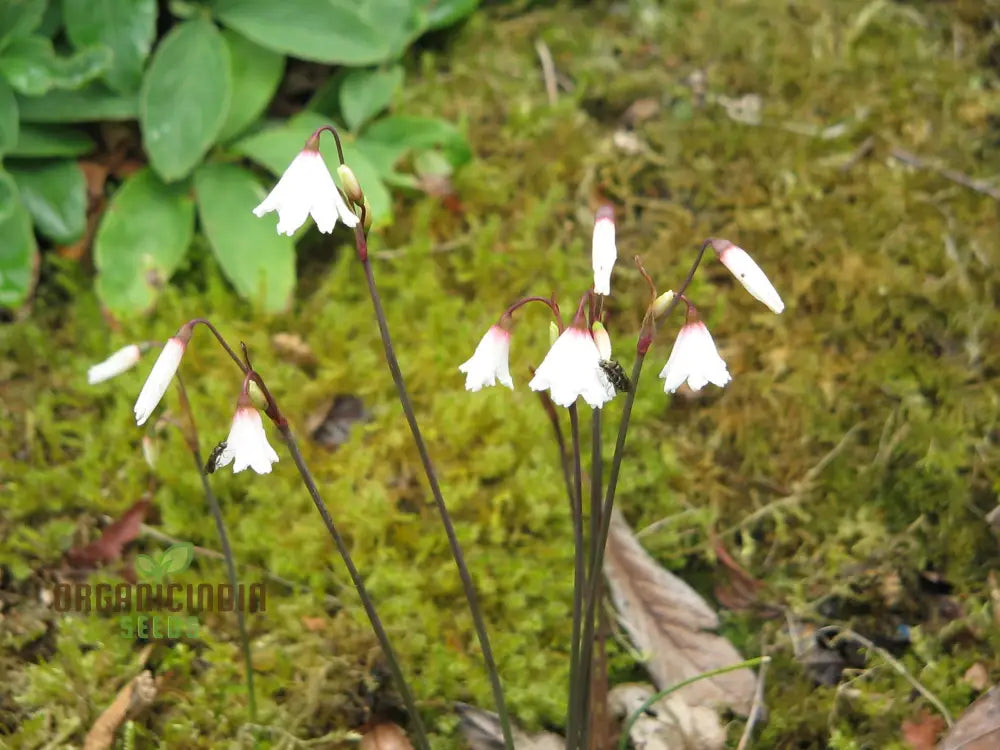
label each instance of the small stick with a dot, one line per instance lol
(548, 71)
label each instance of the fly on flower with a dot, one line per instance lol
(246, 446)
(572, 368)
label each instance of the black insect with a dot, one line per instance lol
(213, 458)
(616, 375)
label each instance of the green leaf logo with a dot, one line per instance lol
(175, 559)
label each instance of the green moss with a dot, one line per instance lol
(889, 276)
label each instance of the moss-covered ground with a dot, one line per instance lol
(790, 128)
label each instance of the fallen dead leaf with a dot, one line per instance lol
(109, 546)
(293, 347)
(669, 622)
(921, 731)
(385, 736)
(977, 676)
(669, 723)
(978, 728)
(131, 700)
(331, 425)
(481, 730)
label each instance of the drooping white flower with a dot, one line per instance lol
(160, 376)
(571, 369)
(489, 363)
(122, 360)
(749, 274)
(695, 359)
(307, 188)
(247, 444)
(604, 252)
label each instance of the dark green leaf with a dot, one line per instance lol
(52, 20)
(177, 557)
(328, 31)
(185, 97)
(8, 118)
(88, 104)
(256, 73)
(126, 27)
(19, 18)
(51, 140)
(55, 194)
(259, 262)
(18, 251)
(441, 13)
(141, 240)
(399, 22)
(406, 133)
(365, 93)
(32, 67)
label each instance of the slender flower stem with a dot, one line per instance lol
(576, 677)
(366, 600)
(227, 553)
(190, 432)
(456, 549)
(592, 573)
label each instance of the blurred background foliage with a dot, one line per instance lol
(198, 79)
(849, 468)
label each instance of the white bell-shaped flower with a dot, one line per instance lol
(695, 359)
(489, 363)
(122, 360)
(307, 188)
(749, 274)
(247, 446)
(604, 251)
(160, 376)
(572, 368)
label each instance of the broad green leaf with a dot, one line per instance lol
(141, 240)
(399, 22)
(365, 93)
(32, 67)
(52, 20)
(327, 31)
(8, 118)
(55, 194)
(407, 133)
(126, 27)
(88, 104)
(256, 73)
(18, 251)
(51, 140)
(19, 18)
(441, 13)
(275, 147)
(258, 261)
(185, 97)
(148, 568)
(177, 557)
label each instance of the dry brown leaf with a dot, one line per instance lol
(668, 621)
(669, 723)
(131, 700)
(481, 730)
(978, 728)
(385, 736)
(113, 540)
(977, 676)
(921, 732)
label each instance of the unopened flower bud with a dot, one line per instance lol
(368, 215)
(553, 332)
(257, 397)
(350, 184)
(602, 340)
(660, 303)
